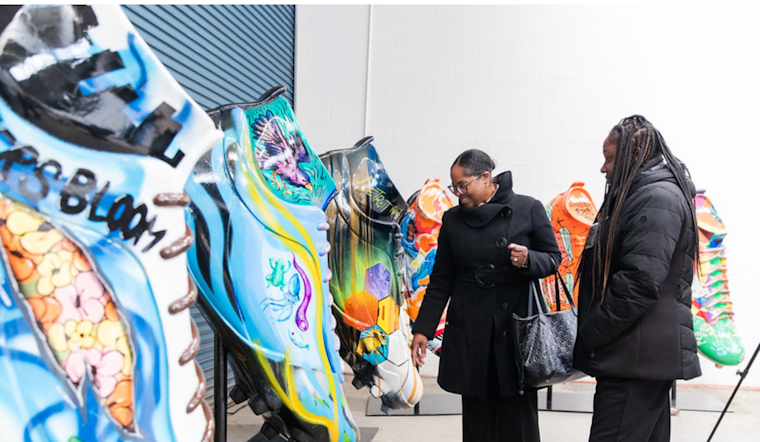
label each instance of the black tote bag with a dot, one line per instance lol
(544, 342)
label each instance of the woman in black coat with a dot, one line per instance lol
(635, 330)
(489, 249)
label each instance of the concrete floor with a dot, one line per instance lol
(740, 424)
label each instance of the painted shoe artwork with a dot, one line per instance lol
(713, 312)
(96, 139)
(419, 229)
(260, 263)
(368, 284)
(571, 214)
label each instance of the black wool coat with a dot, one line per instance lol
(643, 328)
(479, 316)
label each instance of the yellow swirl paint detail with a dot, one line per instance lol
(308, 254)
(287, 397)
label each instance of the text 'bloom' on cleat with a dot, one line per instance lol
(97, 140)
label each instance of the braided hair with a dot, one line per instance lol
(637, 142)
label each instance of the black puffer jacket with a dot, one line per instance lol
(643, 327)
(479, 318)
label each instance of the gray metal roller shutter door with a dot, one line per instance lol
(220, 55)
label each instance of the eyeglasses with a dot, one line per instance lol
(460, 189)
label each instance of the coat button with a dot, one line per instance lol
(501, 242)
(505, 306)
(504, 334)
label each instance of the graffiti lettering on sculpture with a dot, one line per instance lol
(92, 126)
(120, 215)
(381, 203)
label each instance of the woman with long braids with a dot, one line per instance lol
(635, 332)
(490, 248)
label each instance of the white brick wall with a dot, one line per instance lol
(539, 87)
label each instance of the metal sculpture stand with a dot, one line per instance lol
(429, 405)
(451, 404)
(583, 401)
(220, 394)
(220, 397)
(572, 402)
(548, 400)
(742, 374)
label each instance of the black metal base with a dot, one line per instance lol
(548, 400)
(451, 404)
(572, 402)
(366, 434)
(698, 401)
(429, 405)
(220, 389)
(259, 437)
(583, 401)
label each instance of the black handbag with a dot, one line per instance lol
(544, 342)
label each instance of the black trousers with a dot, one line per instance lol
(497, 418)
(500, 419)
(631, 410)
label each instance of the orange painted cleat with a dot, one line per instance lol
(571, 213)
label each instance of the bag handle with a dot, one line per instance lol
(533, 298)
(557, 281)
(535, 289)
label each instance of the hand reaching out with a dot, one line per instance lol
(419, 349)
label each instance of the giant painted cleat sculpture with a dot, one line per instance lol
(419, 236)
(571, 214)
(368, 285)
(96, 139)
(713, 311)
(260, 263)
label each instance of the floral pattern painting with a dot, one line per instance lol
(75, 313)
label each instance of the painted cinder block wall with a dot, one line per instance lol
(539, 87)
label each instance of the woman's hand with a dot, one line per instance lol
(419, 349)
(519, 255)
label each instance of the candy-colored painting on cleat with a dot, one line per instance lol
(571, 214)
(419, 236)
(260, 263)
(368, 285)
(96, 139)
(713, 314)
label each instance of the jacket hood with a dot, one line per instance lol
(655, 170)
(482, 215)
